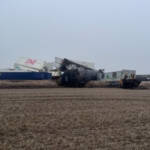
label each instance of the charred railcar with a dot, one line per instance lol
(77, 75)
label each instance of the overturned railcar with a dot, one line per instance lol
(77, 78)
(77, 75)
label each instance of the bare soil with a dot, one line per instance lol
(74, 119)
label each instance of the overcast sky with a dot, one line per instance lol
(115, 34)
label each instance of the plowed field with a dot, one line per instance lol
(74, 119)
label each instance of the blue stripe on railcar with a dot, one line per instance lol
(25, 75)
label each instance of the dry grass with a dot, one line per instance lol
(74, 119)
(102, 84)
(93, 84)
(28, 84)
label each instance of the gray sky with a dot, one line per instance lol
(115, 34)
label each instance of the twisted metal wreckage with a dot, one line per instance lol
(77, 75)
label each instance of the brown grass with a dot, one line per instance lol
(102, 84)
(74, 119)
(28, 84)
(92, 84)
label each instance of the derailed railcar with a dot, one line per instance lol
(77, 75)
(17, 75)
(123, 78)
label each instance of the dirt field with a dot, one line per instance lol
(74, 119)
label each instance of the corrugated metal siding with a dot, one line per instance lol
(25, 75)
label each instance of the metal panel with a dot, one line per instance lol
(29, 64)
(85, 63)
(118, 75)
(59, 61)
